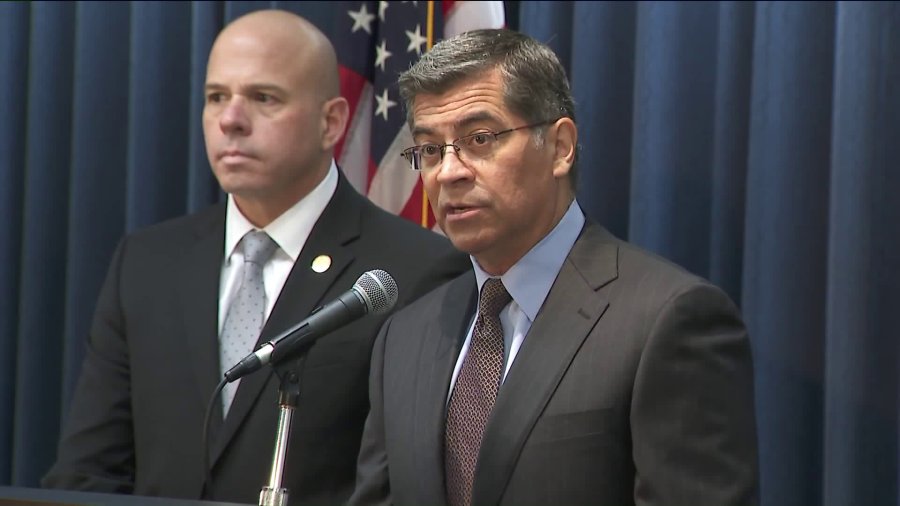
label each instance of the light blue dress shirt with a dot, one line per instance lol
(528, 281)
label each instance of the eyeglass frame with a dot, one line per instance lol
(413, 154)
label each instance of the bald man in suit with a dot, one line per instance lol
(272, 117)
(570, 367)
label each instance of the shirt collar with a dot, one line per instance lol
(529, 280)
(292, 228)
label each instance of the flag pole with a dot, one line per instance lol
(429, 34)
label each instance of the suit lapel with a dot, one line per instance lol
(198, 287)
(436, 367)
(571, 310)
(303, 291)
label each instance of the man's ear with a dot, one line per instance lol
(335, 114)
(565, 141)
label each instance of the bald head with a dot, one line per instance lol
(288, 39)
(273, 113)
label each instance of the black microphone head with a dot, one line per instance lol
(378, 291)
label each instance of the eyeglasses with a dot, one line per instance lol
(474, 147)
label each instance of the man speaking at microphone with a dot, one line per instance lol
(187, 299)
(571, 368)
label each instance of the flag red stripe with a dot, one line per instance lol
(447, 6)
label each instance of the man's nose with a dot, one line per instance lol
(452, 167)
(234, 117)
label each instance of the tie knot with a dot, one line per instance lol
(494, 297)
(258, 247)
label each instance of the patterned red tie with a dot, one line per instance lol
(473, 395)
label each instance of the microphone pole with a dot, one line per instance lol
(274, 494)
(376, 292)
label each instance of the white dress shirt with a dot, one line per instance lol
(289, 231)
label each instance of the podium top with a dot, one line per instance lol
(20, 496)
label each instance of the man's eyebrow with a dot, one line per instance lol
(465, 121)
(419, 130)
(247, 87)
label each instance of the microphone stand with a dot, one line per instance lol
(288, 396)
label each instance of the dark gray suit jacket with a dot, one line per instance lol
(633, 386)
(152, 361)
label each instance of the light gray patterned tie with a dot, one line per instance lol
(474, 394)
(247, 310)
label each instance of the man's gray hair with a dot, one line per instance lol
(535, 83)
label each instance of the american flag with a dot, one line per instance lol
(375, 42)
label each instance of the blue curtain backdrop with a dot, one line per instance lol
(755, 143)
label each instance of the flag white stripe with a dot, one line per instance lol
(394, 182)
(354, 160)
(470, 15)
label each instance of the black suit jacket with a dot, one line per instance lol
(633, 386)
(152, 361)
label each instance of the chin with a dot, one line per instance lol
(236, 182)
(231, 187)
(466, 243)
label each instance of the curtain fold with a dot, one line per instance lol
(671, 169)
(754, 143)
(42, 266)
(862, 317)
(602, 75)
(730, 144)
(97, 169)
(202, 188)
(158, 112)
(785, 241)
(14, 37)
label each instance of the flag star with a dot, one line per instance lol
(415, 40)
(362, 19)
(383, 103)
(382, 54)
(382, 6)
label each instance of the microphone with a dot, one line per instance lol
(374, 292)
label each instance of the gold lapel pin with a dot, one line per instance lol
(321, 263)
